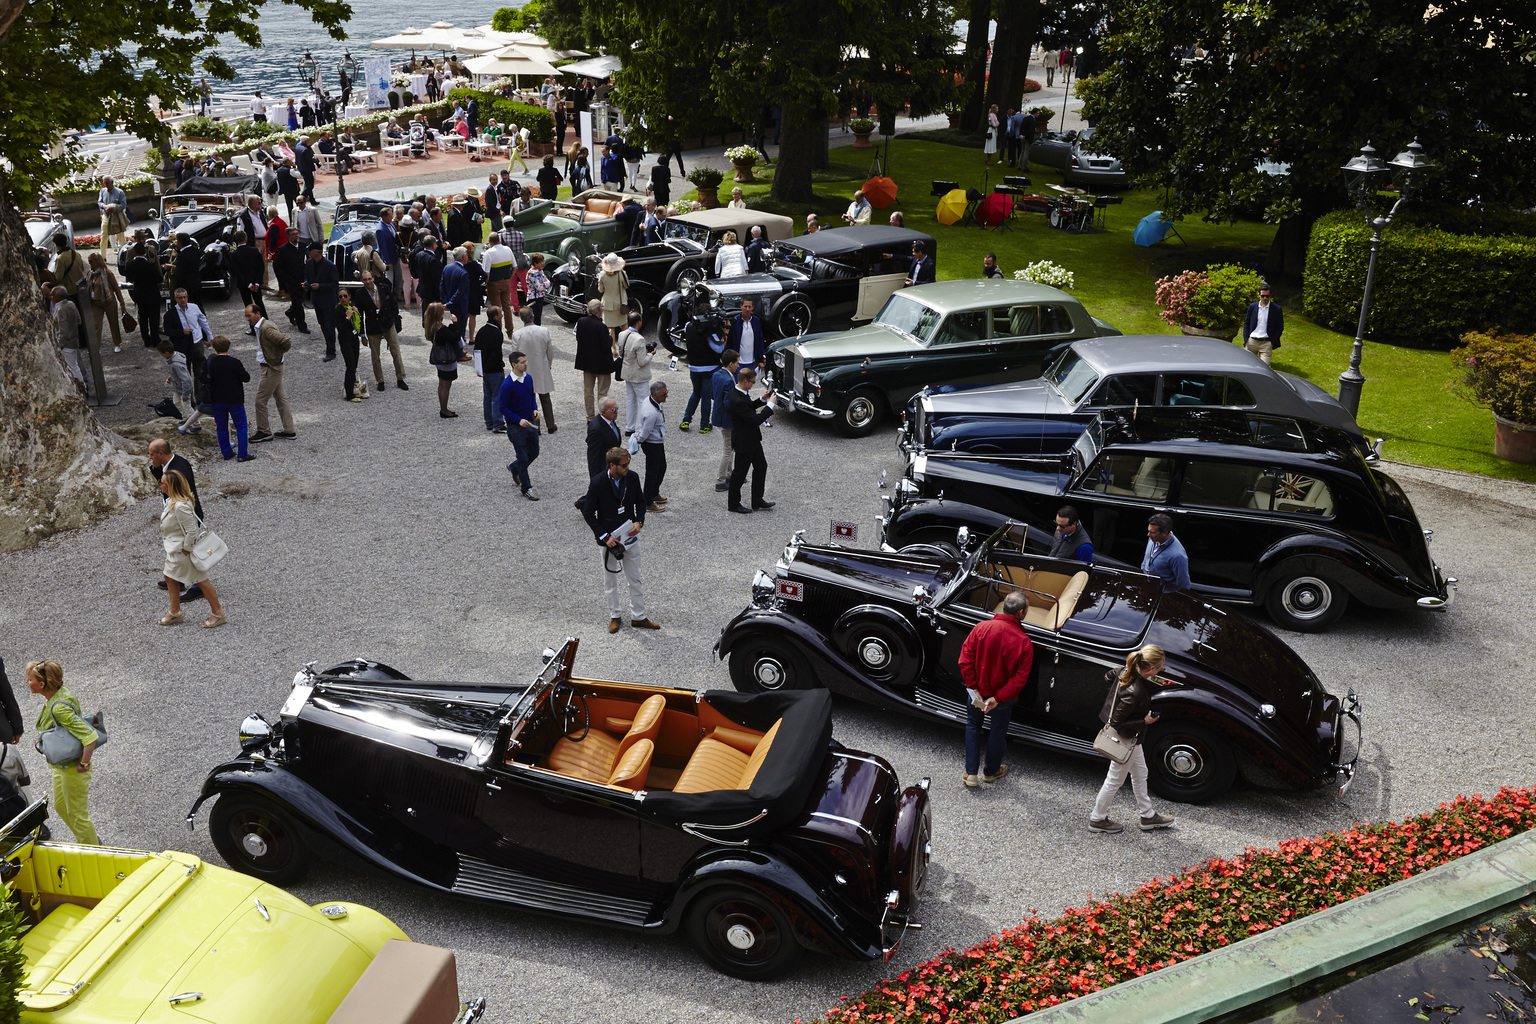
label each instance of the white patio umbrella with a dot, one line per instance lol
(510, 61)
(405, 39)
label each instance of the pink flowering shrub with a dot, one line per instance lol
(1174, 295)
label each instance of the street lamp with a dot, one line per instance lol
(1365, 173)
(349, 67)
(1067, 86)
(308, 70)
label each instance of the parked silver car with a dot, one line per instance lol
(1073, 153)
(41, 227)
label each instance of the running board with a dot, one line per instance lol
(933, 702)
(488, 881)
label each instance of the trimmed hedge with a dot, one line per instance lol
(1432, 286)
(539, 122)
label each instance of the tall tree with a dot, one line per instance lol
(683, 61)
(1018, 24)
(974, 67)
(66, 64)
(1305, 83)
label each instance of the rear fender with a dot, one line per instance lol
(327, 828)
(836, 672)
(1365, 579)
(924, 518)
(819, 926)
(1269, 745)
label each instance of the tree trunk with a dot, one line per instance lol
(799, 149)
(63, 469)
(1017, 24)
(973, 90)
(1288, 252)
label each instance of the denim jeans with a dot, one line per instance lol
(525, 441)
(223, 412)
(490, 386)
(997, 736)
(700, 379)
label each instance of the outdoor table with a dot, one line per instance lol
(356, 110)
(419, 88)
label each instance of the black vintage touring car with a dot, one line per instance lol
(886, 628)
(735, 818)
(1272, 511)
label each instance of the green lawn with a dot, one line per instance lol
(1406, 400)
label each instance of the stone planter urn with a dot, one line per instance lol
(709, 196)
(861, 140)
(1514, 442)
(1225, 334)
(744, 171)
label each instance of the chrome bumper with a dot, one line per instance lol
(569, 304)
(1351, 712)
(1441, 603)
(795, 403)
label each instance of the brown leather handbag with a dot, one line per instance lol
(129, 323)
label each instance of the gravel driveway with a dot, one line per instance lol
(387, 532)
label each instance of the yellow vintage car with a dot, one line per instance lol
(117, 936)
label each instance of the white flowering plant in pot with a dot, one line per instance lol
(1047, 273)
(741, 155)
(400, 80)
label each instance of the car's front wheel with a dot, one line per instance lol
(793, 316)
(743, 933)
(1305, 602)
(860, 412)
(1187, 762)
(259, 838)
(763, 664)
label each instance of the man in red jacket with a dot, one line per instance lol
(994, 662)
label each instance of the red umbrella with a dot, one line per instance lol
(881, 192)
(994, 209)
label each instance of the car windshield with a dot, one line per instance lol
(909, 316)
(557, 670)
(1072, 375)
(676, 227)
(788, 252)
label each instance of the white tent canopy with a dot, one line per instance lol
(510, 61)
(593, 67)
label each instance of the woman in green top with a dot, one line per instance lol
(72, 779)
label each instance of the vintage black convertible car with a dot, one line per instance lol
(204, 209)
(886, 628)
(1271, 511)
(684, 258)
(351, 221)
(822, 282)
(735, 818)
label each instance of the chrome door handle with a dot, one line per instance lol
(185, 997)
(492, 786)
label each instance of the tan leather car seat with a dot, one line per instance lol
(634, 766)
(719, 762)
(595, 756)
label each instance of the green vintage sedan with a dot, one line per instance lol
(975, 331)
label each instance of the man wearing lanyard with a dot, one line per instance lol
(613, 499)
(746, 336)
(1165, 557)
(187, 327)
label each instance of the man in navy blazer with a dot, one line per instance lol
(922, 266)
(613, 499)
(1262, 325)
(603, 433)
(747, 336)
(304, 162)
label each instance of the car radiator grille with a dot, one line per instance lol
(485, 880)
(795, 369)
(945, 706)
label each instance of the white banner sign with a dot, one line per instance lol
(376, 72)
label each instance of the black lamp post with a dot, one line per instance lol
(349, 67)
(1365, 173)
(308, 70)
(1067, 86)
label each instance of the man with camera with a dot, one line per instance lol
(615, 512)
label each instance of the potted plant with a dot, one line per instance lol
(1500, 372)
(742, 158)
(1209, 303)
(1047, 273)
(707, 181)
(202, 129)
(1042, 117)
(862, 128)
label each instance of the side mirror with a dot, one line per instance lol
(548, 655)
(152, 213)
(920, 595)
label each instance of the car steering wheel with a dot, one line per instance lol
(564, 703)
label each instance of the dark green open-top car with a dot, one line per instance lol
(952, 332)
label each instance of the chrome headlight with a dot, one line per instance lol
(255, 733)
(573, 261)
(762, 584)
(778, 359)
(906, 488)
(813, 380)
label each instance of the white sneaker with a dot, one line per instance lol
(117, 348)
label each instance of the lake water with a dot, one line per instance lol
(287, 31)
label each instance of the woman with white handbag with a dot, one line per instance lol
(67, 740)
(1126, 715)
(191, 549)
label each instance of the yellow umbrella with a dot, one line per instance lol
(951, 206)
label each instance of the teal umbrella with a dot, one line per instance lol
(1152, 229)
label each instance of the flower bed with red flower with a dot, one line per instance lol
(1043, 963)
